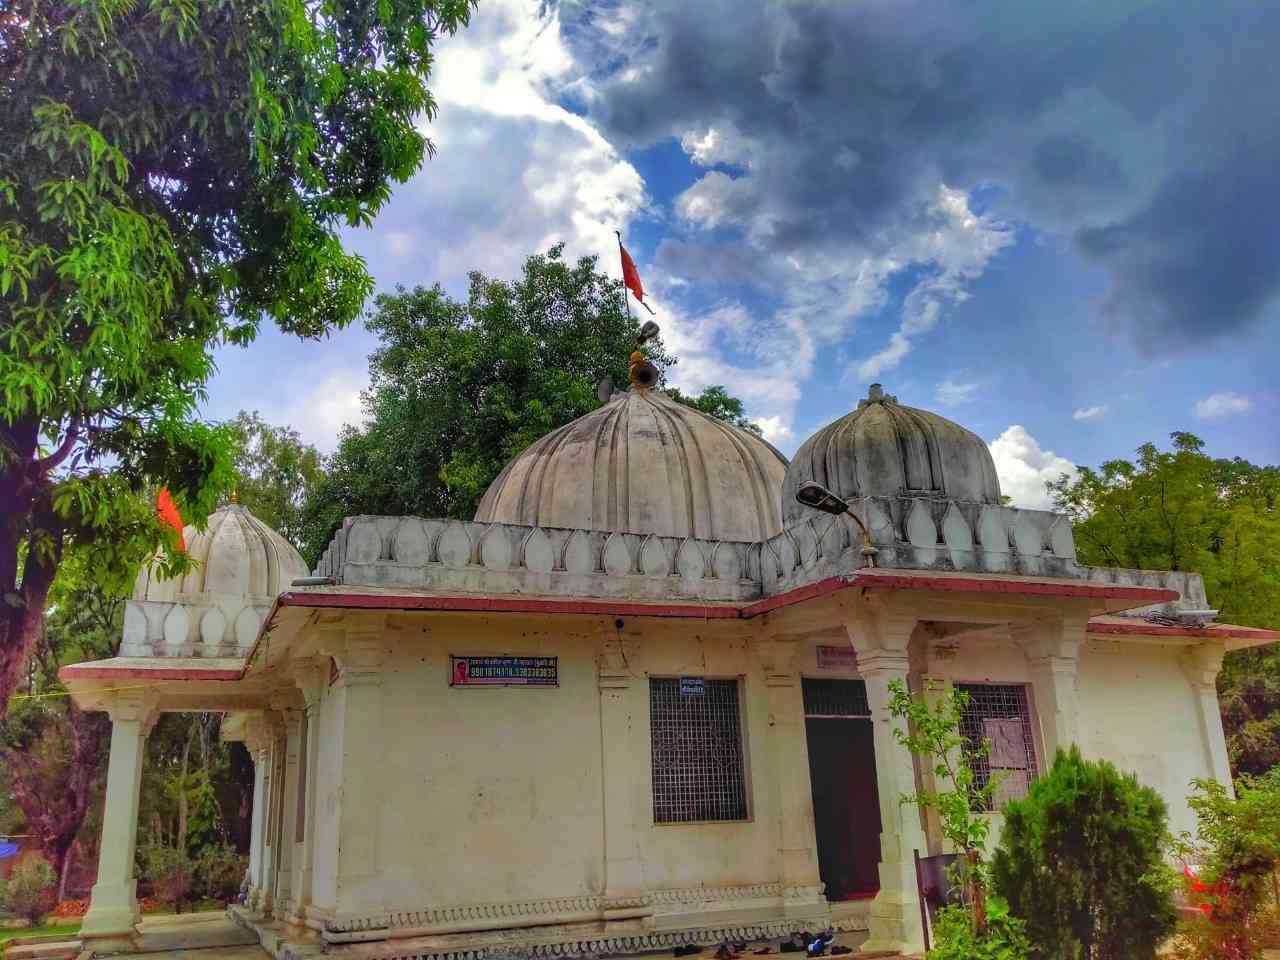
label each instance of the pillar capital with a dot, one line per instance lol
(777, 653)
(1057, 638)
(1202, 664)
(877, 627)
(132, 705)
(616, 653)
(311, 676)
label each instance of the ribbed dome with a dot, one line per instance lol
(644, 463)
(883, 449)
(235, 554)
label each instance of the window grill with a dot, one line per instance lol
(999, 716)
(836, 698)
(698, 770)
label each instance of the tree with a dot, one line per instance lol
(716, 402)
(274, 473)
(1080, 861)
(1183, 510)
(459, 388)
(172, 174)
(54, 754)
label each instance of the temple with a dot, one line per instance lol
(641, 700)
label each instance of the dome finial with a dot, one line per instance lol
(640, 371)
(876, 394)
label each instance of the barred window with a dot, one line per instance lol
(1000, 716)
(696, 731)
(835, 698)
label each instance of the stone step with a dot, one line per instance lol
(47, 950)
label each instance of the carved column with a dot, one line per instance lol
(312, 678)
(1202, 664)
(1052, 649)
(111, 922)
(624, 886)
(360, 810)
(797, 841)
(253, 876)
(881, 641)
(270, 757)
(291, 743)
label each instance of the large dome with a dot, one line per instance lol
(236, 554)
(644, 463)
(883, 449)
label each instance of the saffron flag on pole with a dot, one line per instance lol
(168, 511)
(631, 276)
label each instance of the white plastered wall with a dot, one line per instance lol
(1137, 710)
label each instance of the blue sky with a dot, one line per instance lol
(1058, 227)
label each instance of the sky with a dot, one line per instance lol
(1056, 224)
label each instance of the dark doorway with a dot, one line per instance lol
(842, 771)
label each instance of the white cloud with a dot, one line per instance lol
(320, 413)
(1088, 414)
(514, 171)
(1225, 404)
(1024, 468)
(775, 430)
(955, 245)
(951, 392)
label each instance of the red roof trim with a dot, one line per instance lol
(725, 611)
(88, 671)
(1139, 628)
(952, 584)
(368, 601)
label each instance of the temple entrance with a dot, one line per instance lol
(842, 771)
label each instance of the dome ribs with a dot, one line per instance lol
(653, 467)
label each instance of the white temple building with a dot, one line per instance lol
(641, 700)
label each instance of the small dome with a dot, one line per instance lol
(235, 554)
(883, 449)
(644, 463)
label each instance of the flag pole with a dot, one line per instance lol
(626, 294)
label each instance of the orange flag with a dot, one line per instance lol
(168, 511)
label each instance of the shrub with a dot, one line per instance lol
(219, 872)
(1237, 850)
(32, 889)
(1005, 937)
(171, 874)
(1080, 862)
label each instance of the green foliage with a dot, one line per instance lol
(1080, 862)
(1004, 939)
(459, 388)
(716, 402)
(219, 871)
(172, 174)
(1236, 851)
(31, 890)
(1183, 510)
(933, 734)
(170, 873)
(275, 472)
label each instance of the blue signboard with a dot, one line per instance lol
(692, 686)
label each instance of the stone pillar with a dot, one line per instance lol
(360, 679)
(269, 756)
(789, 748)
(1202, 664)
(1052, 648)
(625, 895)
(312, 678)
(111, 922)
(292, 770)
(881, 642)
(253, 743)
